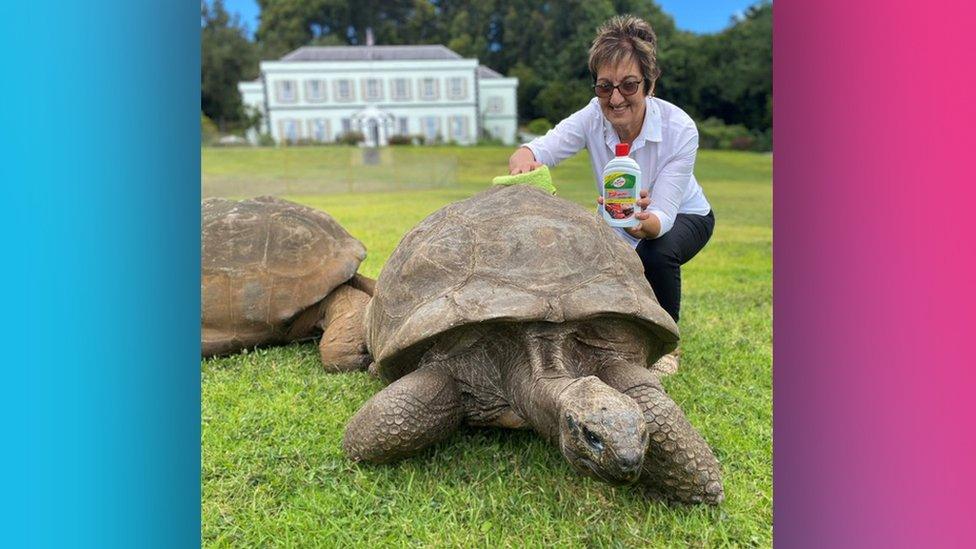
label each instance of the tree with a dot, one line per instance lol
(226, 58)
(682, 66)
(290, 24)
(736, 71)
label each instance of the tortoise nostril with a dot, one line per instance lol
(631, 462)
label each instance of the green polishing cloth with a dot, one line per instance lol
(538, 177)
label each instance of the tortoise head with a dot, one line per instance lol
(601, 431)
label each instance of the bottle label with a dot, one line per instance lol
(619, 194)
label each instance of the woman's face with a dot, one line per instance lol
(622, 111)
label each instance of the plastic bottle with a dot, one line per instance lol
(621, 185)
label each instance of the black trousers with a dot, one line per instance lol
(663, 257)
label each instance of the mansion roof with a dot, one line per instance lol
(371, 53)
(380, 53)
(485, 72)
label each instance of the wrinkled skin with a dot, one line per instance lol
(574, 383)
(601, 431)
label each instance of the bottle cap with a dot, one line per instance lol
(623, 149)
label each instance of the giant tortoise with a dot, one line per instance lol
(518, 309)
(274, 272)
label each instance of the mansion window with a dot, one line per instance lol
(457, 88)
(401, 89)
(494, 105)
(373, 89)
(343, 90)
(428, 88)
(315, 91)
(403, 125)
(458, 128)
(431, 126)
(318, 129)
(286, 92)
(289, 130)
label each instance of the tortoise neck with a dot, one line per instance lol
(536, 385)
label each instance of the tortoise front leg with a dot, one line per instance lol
(343, 344)
(679, 463)
(417, 410)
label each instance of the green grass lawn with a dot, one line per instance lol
(272, 421)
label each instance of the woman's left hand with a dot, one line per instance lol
(650, 225)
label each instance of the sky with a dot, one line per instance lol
(701, 16)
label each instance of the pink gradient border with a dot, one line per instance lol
(875, 170)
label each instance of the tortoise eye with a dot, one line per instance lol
(592, 439)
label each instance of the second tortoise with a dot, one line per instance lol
(274, 272)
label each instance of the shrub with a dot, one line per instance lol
(350, 138)
(487, 138)
(764, 140)
(208, 130)
(302, 142)
(436, 140)
(539, 126)
(743, 143)
(490, 141)
(402, 140)
(716, 134)
(265, 140)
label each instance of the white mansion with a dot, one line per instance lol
(319, 93)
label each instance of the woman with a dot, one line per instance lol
(676, 219)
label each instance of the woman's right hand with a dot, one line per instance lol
(522, 161)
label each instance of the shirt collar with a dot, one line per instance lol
(650, 131)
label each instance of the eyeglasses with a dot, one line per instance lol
(605, 89)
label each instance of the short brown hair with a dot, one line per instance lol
(626, 37)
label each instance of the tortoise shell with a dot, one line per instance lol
(264, 261)
(506, 254)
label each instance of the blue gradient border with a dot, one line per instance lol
(99, 131)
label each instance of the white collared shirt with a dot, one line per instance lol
(665, 149)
